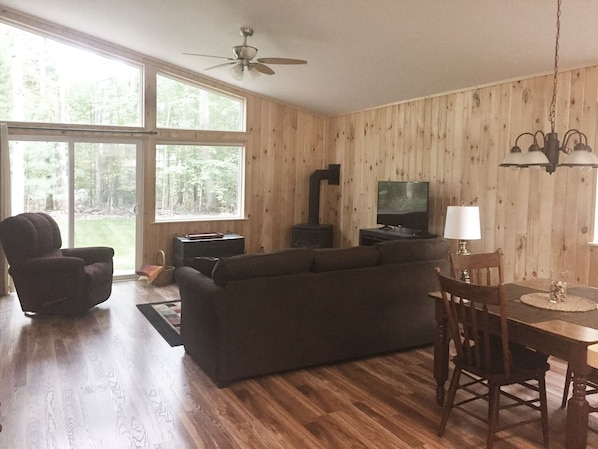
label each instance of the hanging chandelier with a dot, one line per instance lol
(547, 155)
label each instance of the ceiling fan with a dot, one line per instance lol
(244, 59)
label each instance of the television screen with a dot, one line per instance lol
(403, 204)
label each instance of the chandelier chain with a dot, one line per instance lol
(546, 148)
(552, 116)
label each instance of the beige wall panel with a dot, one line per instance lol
(457, 141)
(438, 189)
(431, 126)
(490, 128)
(593, 277)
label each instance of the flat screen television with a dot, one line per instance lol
(403, 204)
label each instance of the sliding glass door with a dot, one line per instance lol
(89, 187)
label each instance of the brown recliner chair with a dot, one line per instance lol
(50, 280)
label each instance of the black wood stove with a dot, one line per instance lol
(313, 234)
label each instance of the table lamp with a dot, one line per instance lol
(462, 223)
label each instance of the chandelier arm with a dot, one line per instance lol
(533, 135)
(540, 132)
(572, 132)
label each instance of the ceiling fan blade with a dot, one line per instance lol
(220, 65)
(210, 56)
(281, 61)
(262, 68)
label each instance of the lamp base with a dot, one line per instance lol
(464, 251)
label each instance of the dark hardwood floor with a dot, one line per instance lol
(109, 380)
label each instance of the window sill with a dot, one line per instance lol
(201, 220)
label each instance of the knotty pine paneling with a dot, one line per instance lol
(456, 141)
(283, 147)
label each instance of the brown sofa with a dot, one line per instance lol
(265, 313)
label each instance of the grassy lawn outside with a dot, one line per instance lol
(115, 232)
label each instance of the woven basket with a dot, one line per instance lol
(166, 276)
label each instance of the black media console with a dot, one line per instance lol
(369, 237)
(185, 249)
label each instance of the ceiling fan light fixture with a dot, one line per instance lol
(245, 52)
(245, 59)
(237, 71)
(253, 72)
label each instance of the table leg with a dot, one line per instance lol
(441, 353)
(577, 407)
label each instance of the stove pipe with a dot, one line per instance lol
(333, 176)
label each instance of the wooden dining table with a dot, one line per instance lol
(565, 335)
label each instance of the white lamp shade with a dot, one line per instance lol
(513, 159)
(462, 223)
(580, 158)
(535, 158)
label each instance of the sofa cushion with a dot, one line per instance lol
(330, 259)
(278, 263)
(405, 250)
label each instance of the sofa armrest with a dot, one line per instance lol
(203, 322)
(90, 254)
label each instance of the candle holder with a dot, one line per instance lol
(558, 286)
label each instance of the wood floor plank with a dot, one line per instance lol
(107, 379)
(300, 407)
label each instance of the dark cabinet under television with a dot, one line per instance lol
(369, 237)
(185, 249)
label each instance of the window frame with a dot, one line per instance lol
(242, 100)
(240, 183)
(149, 69)
(139, 63)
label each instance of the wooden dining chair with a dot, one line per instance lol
(482, 268)
(487, 361)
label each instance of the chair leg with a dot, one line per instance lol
(449, 400)
(567, 386)
(543, 408)
(493, 407)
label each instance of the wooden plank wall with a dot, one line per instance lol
(283, 147)
(456, 142)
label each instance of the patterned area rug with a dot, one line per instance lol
(166, 319)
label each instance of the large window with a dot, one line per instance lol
(81, 179)
(90, 188)
(199, 182)
(42, 80)
(183, 105)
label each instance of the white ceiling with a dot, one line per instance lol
(360, 53)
